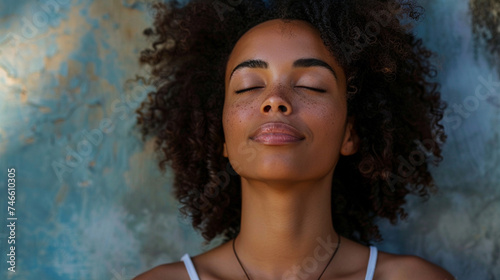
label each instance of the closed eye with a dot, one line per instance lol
(246, 89)
(314, 89)
(252, 88)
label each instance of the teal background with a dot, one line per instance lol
(90, 201)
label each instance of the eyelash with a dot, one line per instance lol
(310, 88)
(247, 89)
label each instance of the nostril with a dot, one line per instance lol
(282, 108)
(267, 108)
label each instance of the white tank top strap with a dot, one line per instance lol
(372, 262)
(190, 267)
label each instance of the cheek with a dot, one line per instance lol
(236, 114)
(326, 119)
(322, 111)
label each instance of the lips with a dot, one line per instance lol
(277, 133)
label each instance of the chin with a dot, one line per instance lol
(271, 173)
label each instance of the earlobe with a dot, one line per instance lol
(224, 150)
(351, 139)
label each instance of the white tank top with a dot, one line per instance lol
(372, 262)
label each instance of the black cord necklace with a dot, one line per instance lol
(333, 255)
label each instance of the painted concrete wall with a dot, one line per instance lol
(90, 202)
(459, 228)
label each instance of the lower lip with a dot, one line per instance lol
(276, 139)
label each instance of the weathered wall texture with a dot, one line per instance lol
(90, 201)
(459, 228)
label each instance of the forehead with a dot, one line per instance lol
(279, 42)
(287, 29)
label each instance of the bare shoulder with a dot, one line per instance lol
(391, 266)
(171, 271)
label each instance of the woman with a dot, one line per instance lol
(285, 123)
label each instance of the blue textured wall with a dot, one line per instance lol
(459, 228)
(90, 201)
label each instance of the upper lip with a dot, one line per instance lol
(277, 127)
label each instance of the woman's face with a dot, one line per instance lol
(285, 108)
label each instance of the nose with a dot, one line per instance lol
(277, 101)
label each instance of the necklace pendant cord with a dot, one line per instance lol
(331, 258)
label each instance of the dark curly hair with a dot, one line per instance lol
(391, 94)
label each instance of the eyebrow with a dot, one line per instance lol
(302, 62)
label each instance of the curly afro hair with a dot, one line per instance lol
(391, 94)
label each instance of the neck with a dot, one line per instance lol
(286, 229)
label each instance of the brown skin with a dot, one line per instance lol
(286, 188)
